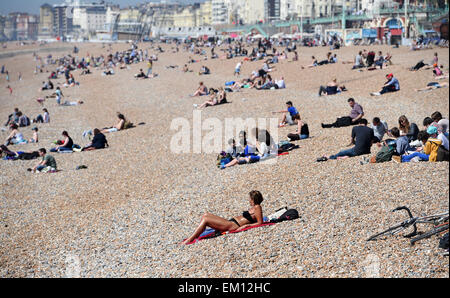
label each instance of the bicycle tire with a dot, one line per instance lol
(429, 234)
(375, 236)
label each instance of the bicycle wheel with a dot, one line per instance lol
(429, 233)
(391, 231)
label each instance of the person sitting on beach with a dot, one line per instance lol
(47, 164)
(67, 144)
(358, 61)
(269, 84)
(432, 86)
(302, 131)
(430, 150)
(15, 137)
(201, 90)
(288, 114)
(407, 129)
(280, 83)
(331, 88)
(140, 75)
(362, 138)
(118, 126)
(355, 115)
(213, 99)
(392, 85)
(42, 119)
(442, 123)
(379, 129)
(252, 217)
(204, 70)
(98, 142)
(35, 138)
(265, 146)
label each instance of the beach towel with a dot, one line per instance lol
(211, 233)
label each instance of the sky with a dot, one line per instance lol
(32, 6)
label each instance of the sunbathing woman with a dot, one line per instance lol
(252, 217)
(119, 126)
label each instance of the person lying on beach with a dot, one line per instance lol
(252, 217)
(98, 142)
(118, 126)
(47, 164)
(73, 103)
(392, 85)
(432, 86)
(201, 90)
(288, 114)
(362, 139)
(302, 131)
(6, 153)
(67, 144)
(331, 88)
(353, 118)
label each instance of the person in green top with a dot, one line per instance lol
(48, 162)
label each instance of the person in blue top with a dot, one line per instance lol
(288, 114)
(391, 85)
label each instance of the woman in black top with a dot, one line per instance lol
(252, 217)
(98, 142)
(67, 145)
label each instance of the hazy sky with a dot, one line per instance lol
(32, 6)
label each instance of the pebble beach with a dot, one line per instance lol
(127, 213)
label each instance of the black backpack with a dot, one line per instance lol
(290, 214)
(442, 154)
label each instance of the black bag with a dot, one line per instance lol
(290, 214)
(442, 154)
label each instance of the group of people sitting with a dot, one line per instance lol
(258, 147)
(407, 142)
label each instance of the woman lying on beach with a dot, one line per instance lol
(252, 217)
(217, 97)
(432, 86)
(5, 153)
(118, 126)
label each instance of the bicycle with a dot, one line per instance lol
(439, 221)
